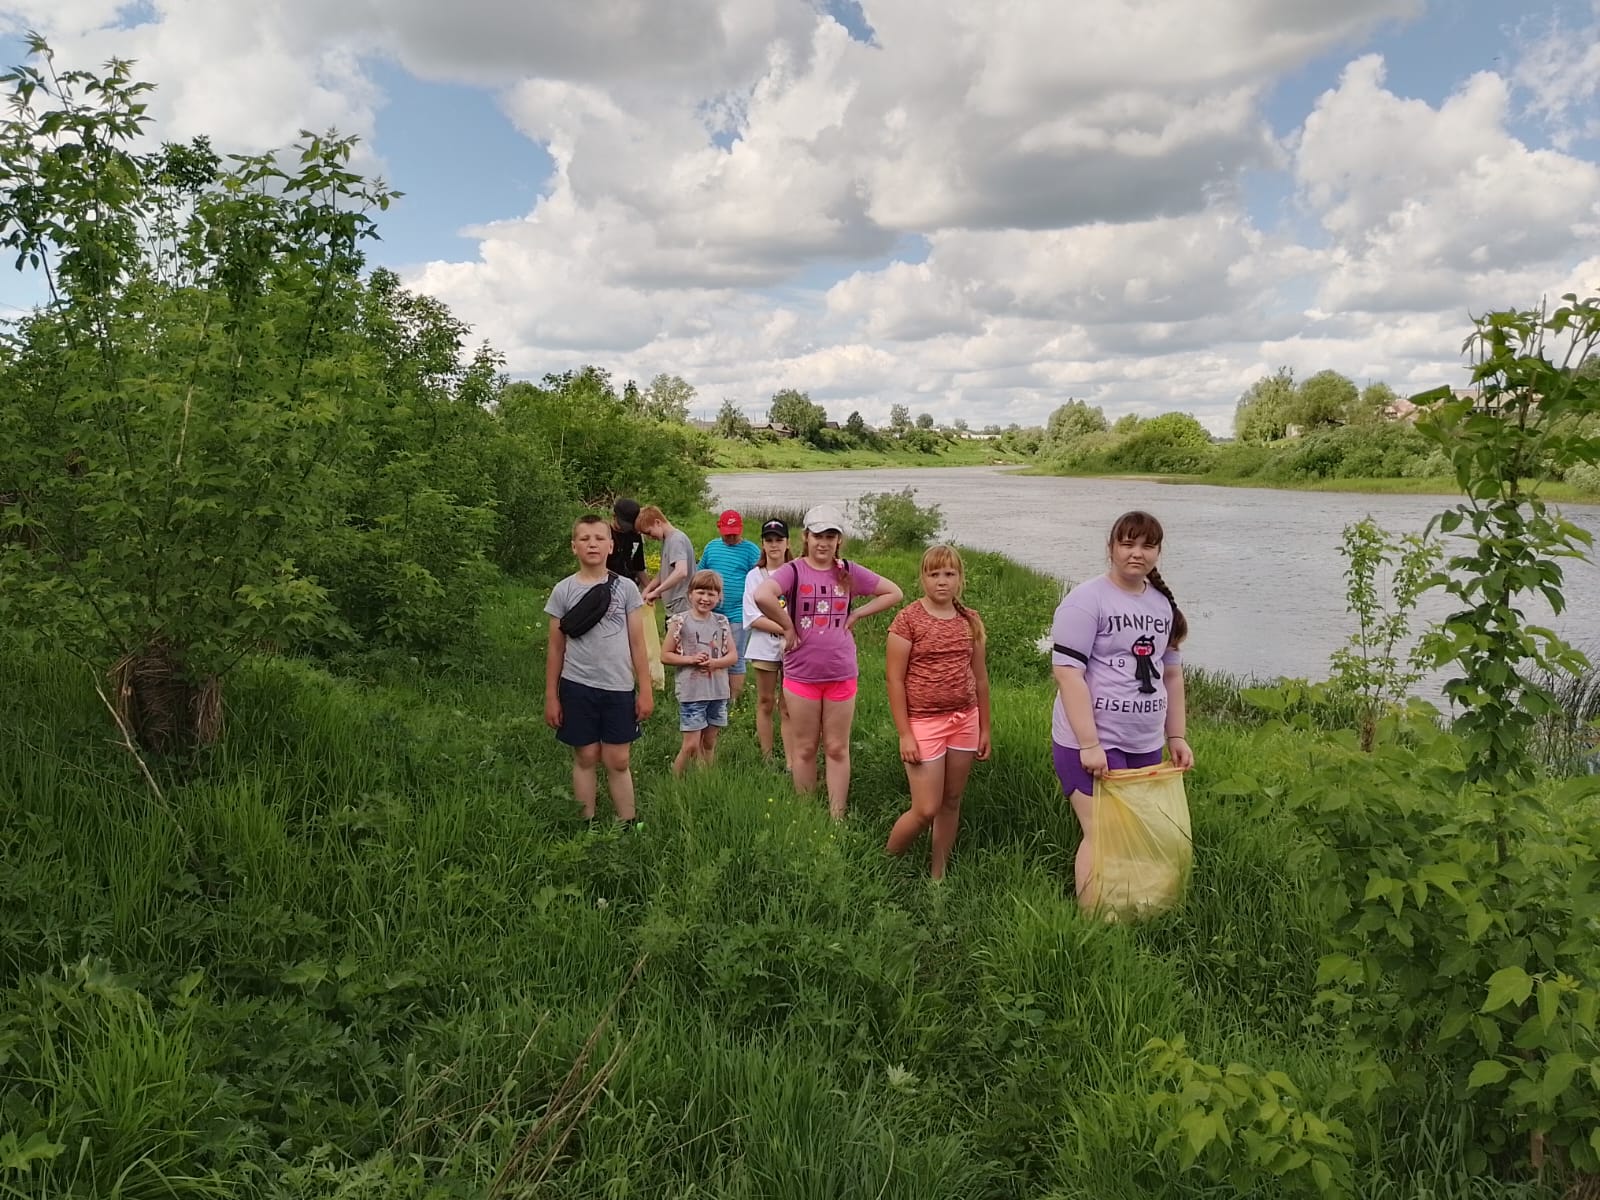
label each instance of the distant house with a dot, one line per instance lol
(776, 428)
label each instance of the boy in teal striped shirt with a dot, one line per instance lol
(732, 557)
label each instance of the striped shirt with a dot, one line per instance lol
(733, 563)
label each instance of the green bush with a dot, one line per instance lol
(894, 520)
(1583, 476)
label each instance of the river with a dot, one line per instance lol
(1258, 571)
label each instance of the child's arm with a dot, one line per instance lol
(1079, 706)
(769, 599)
(896, 658)
(885, 595)
(1177, 717)
(554, 659)
(980, 672)
(669, 647)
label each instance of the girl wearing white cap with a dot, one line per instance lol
(809, 600)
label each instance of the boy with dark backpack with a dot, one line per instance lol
(596, 660)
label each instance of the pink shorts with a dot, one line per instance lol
(946, 731)
(836, 690)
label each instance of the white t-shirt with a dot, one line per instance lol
(760, 646)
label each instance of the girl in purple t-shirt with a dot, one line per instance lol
(819, 651)
(1119, 678)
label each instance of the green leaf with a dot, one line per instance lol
(1478, 921)
(1267, 699)
(1549, 1002)
(1558, 1073)
(1508, 985)
(1321, 1175)
(1487, 1071)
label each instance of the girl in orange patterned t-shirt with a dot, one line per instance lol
(939, 697)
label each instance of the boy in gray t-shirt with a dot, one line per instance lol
(591, 697)
(677, 560)
(701, 646)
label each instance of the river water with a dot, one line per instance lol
(1258, 572)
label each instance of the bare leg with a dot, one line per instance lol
(958, 765)
(926, 780)
(1088, 886)
(708, 745)
(619, 780)
(735, 687)
(784, 731)
(837, 717)
(805, 719)
(584, 783)
(766, 703)
(687, 752)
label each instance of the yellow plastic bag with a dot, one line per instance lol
(652, 649)
(1142, 846)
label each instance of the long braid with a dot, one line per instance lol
(1180, 623)
(973, 619)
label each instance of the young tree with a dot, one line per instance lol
(1325, 399)
(899, 419)
(731, 421)
(1374, 404)
(795, 409)
(924, 420)
(1071, 421)
(177, 414)
(667, 399)
(1264, 412)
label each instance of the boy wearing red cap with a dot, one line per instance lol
(732, 558)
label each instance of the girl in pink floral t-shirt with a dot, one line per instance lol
(819, 660)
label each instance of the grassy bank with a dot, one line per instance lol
(789, 454)
(363, 949)
(1554, 490)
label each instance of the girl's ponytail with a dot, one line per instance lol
(1180, 623)
(974, 620)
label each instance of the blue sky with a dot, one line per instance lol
(923, 206)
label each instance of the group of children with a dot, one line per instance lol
(1115, 658)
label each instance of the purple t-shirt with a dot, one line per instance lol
(826, 650)
(1120, 642)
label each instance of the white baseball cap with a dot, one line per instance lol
(823, 518)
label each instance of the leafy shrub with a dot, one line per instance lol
(1244, 1125)
(894, 520)
(1583, 476)
(1239, 460)
(1173, 443)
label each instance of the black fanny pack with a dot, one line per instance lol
(591, 606)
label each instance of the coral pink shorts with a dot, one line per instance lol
(836, 690)
(946, 731)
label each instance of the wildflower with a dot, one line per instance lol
(602, 903)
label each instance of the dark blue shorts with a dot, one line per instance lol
(590, 715)
(1073, 777)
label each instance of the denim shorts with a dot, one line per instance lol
(740, 639)
(695, 715)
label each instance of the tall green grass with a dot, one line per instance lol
(364, 948)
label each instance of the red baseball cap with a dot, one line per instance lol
(730, 522)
